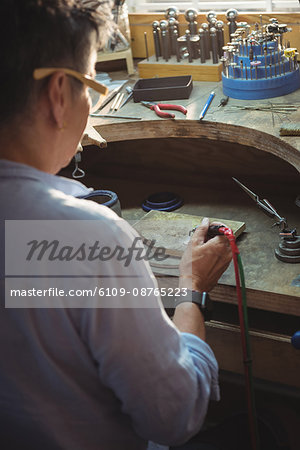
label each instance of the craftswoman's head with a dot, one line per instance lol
(48, 33)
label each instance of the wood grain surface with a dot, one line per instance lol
(200, 72)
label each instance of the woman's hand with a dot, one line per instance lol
(203, 262)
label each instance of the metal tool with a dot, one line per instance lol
(220, 36)
(205, 27)
(189, 45)
(157, 108)
(146, 45)
(176, 45)
(231, 15)
(116, 99)
(223, 101)
(191, 16)
(111, 96)
(164, 39)
(156, 39)
(111, 116)
(172, 29)
(202, 46)
(214, 45)
(118, 103)
(129, 91)
(210, 16)
(172, 12)
(242, 71)
(289, 247)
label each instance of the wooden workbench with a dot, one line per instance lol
(197, 161)
(262, 128)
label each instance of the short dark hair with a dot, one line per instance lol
(41, 33)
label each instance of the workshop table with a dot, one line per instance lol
(197, 160)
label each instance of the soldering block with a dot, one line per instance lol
(170, 230)
(199, 71)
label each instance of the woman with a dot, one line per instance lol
(94, 375)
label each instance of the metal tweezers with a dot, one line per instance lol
(265, 205)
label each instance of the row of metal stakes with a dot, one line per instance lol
(205, 43)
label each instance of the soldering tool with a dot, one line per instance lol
(215, 230)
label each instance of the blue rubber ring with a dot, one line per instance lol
(113, 198)
(162, 201)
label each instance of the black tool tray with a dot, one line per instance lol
(166, 88)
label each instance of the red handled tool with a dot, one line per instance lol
(157, 107)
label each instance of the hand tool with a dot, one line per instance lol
(163, 24)
(164, 39)
(231, 15)
(156, 38)
(264, 204)
(255, 64)
(189, 45)
(220, 36)
(110, 96)
(176, 45)
(146, 45)
(206, 106)
(212, 22)
(214, 45)
(157, 107)
(205, 27)
(172, 12)
(172, 28)
(202, 46)
(129, 91)
(223, 61)
(118, 103)
(211, 15)
(265, 55)
(223, 101)
(191, 16)
(111, 116)
(156, 44)
(233, 65)
(116, 99)
(289, 247)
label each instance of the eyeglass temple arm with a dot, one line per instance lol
(39, 74)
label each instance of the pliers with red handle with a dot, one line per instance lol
(157, 107)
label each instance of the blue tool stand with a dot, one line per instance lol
(267, 80)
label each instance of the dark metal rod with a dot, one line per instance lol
(146, 45)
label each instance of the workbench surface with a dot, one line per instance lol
(262, 127)
(197, 160)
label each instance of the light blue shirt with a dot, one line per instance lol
(94, 379)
